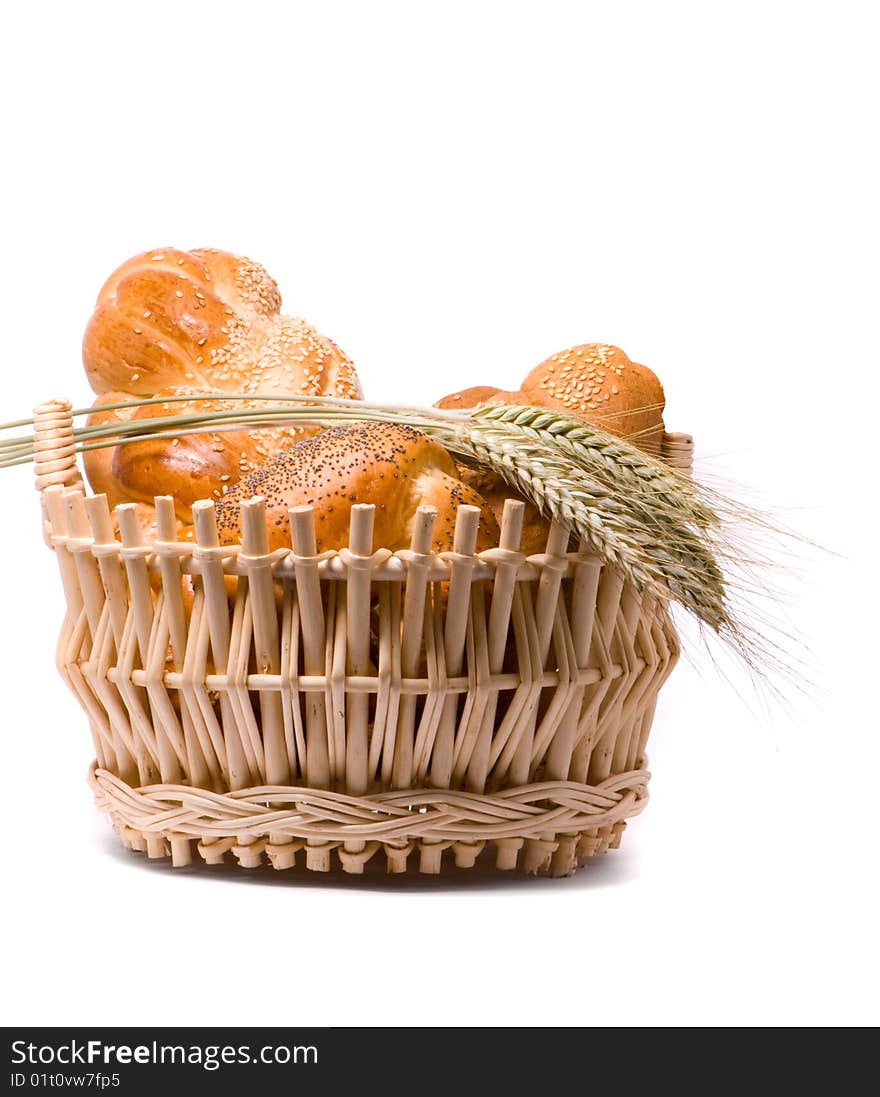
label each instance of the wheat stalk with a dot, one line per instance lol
(629, 508)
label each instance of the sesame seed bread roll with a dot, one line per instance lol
(394, 467)
(597, 382)
(208, 319)
(170, 322)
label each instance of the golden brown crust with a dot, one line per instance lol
(597, 382)
(188, 466)
(170, 321)
(468, 398)
(494, 491)
(145, 514)
(98, 463)
(207, 319)
(396, 468)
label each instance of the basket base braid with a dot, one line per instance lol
(544, 827)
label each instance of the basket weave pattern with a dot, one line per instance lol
(320, 710)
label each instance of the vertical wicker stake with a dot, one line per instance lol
(537, 852)
(418, 561)
(509, 559)
(207, 552)
(86, 565)
(594, 690)
(172, 617)
(358, 564)
(666, 645)
(640, 672)
(94, 601)
(435, 759)
(57, 516)
(258, 566)
(311, 610)
(608, 615)
(561, 763)
(439, 769)
(553, 568)
(585, 585)
(170, 751)
(107, 549)
(515, 760)
(135, 558)
(71, 638)
(314, 643)
(169, 568)
(648, 658)
(109, 563)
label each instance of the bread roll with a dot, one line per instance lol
(189, 466)
(169, 322)
(145, 515)
(490, 485)
(394, 467)
(598, 383)
(468, 398)
(210, 320)
(98, 463)
(595, 382)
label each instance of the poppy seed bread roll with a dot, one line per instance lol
(396, 468)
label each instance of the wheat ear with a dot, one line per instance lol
(667, 557)
(620, 464)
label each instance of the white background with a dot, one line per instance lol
(454, 192)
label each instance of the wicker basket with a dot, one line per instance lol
(340, 706)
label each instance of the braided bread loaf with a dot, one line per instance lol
(174, 323)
